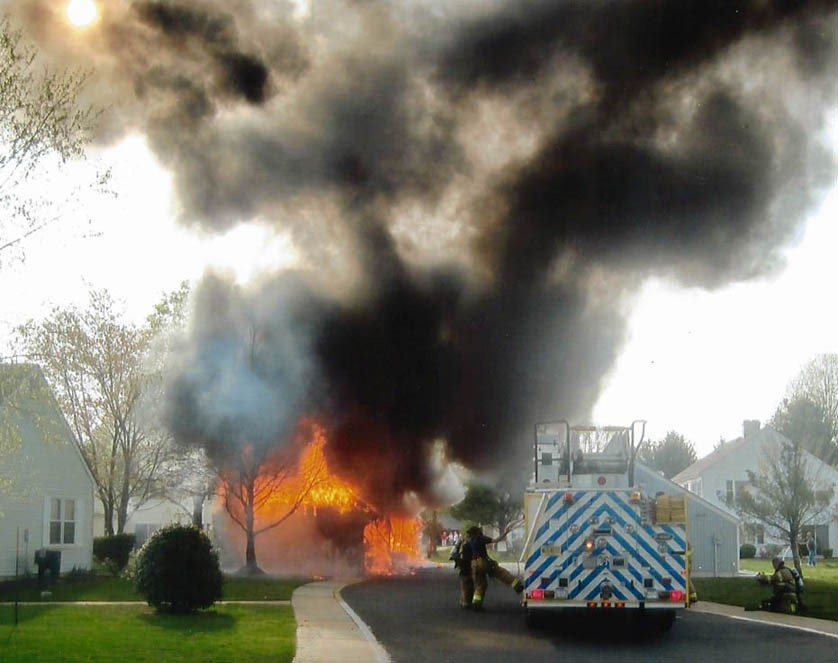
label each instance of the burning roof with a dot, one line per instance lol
(476, 189)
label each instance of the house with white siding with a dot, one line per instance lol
(720, 475)
(46, 489)
(155, 513)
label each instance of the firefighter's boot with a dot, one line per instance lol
(466, 591)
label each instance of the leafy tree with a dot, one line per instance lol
(811, 407)
(783, 493)
(42, 128)
(670, 455)
(96, 364)
(482, 504)
(187, 472)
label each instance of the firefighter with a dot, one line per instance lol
(784, 589)
(461, 556)
(483, 567)
(692, 595)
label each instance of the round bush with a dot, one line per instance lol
(747, 551)
(178, 571)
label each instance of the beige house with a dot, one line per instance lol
(46, 489)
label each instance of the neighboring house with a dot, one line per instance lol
(713, 532)
(46, 489)
(142, 522)
(720, 475)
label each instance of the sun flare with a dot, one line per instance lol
(81, 12)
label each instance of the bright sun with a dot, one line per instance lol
(81, 12)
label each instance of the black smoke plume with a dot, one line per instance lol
(475, 189)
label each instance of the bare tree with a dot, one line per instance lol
(784, 493)
(264, 486)
(42, 129)
(817, 383)
(96, 365)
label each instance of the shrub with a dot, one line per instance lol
(178, 570)
(113, 551)
(747, 551)
(826, 553)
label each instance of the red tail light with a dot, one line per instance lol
(537, 594)
(676, 595)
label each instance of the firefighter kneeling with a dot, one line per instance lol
(475, 567)
(784, 596)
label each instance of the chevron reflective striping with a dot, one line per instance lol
(558, 551)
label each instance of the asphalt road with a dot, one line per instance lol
(417, 619)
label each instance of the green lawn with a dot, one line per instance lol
(819, 597)
(224, 634)
(108, 588)
(57, 632)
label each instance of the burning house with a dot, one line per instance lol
(475, 191)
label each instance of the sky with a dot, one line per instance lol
(291, 142)
(731, 352)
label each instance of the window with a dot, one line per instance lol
(760, 534)
(730, 495)
(62, 521)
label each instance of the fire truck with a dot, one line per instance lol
(595, 542)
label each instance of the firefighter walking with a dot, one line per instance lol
(482, 567)
(462, 563)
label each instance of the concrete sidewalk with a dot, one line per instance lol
(328, 630)
(799, 622)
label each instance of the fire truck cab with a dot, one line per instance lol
(595, 542)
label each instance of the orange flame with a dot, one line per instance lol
(391, 543)
(324, 488)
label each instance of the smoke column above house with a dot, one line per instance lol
(476, 191)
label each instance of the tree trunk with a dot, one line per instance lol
(108, 515)
(121, 517)
(250, 564)
(198, 511)
(794, 535)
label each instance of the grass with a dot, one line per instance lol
(84, 587)
(35, 631)
(819, 597)
(224, 634)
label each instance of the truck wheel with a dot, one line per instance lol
(665, 620)
(531, 619)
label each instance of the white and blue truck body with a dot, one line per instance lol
(595, 543)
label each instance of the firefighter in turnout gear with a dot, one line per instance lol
(784, 588)
(483, 567)
(461, 556)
